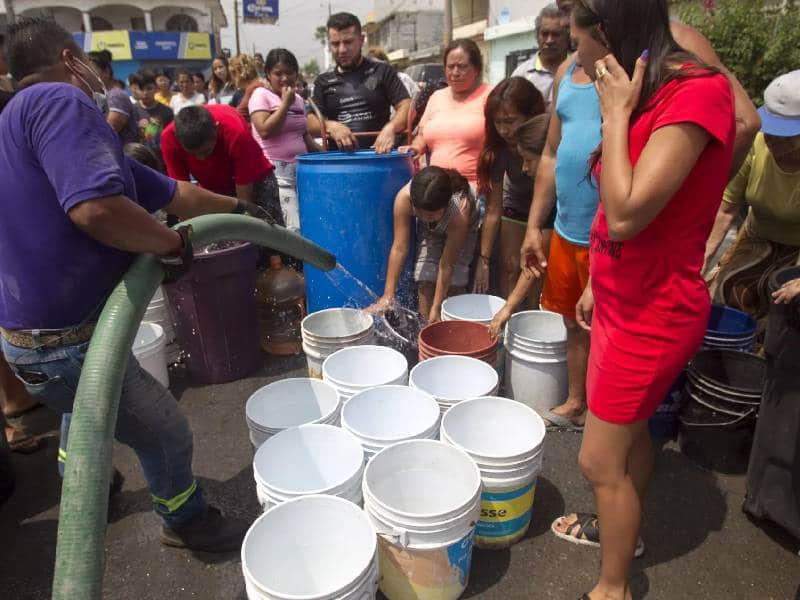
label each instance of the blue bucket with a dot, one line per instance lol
(665, 423)
(346, 206)
(731, 329)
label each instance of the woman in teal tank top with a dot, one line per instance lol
(578, 108)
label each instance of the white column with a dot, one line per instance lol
(87, 22)
(148, 20)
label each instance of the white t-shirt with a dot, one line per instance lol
(178, 102)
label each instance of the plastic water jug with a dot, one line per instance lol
(280, 299)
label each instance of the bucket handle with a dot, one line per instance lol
(728, 424)
(394, 535)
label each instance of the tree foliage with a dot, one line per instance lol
(755, 42)
(311, 68)
(321, 34)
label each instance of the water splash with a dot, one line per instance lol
(397, 328)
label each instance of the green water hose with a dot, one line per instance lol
(80, 552)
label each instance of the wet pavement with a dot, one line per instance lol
(699, 543)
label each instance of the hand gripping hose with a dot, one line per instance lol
(80, 551)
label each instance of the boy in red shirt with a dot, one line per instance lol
(213, 145)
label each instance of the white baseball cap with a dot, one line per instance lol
(780, 115)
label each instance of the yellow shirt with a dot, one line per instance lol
(772, 195)
(162, 98)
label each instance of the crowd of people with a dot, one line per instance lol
(598, 182)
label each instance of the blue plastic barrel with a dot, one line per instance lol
(346, 201)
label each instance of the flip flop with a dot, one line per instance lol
(27, 445)
(584, 532)
(559, 422)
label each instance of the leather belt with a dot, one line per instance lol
(50, 338)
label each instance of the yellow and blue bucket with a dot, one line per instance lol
(505, 438)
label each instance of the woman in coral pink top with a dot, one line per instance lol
(452, 126)
(668, 132)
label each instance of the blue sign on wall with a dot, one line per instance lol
(155, 45)
(260, 11)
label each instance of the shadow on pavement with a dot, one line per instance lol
(683, 505)
(548, 505)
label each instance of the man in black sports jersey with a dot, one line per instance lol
(357, 95)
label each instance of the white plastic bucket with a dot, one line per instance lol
(480, 308)
(158, 311)
(451, 379)
(289, 403)
(149, 348)
(505, 438)
(423, 497)
(309, 459)
(536, 359)
(326, 331)
(311, 548)
(355, 369)
(385, 415)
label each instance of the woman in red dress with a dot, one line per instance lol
(668, 133)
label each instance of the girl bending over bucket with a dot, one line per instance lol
(530, 138)
(447, 232)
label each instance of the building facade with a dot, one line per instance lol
(162, 35)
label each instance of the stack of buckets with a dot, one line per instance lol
(326, 331)
(479, 308)
(386, 415)
(359, 368)
(505, 438)
(536, 359)
(730, 329)
(306, 460)
(149, 348)
(724, 389)
(460, 338)
(453, 379)
(289, 403)
(158, 311)
(314, 548)
(424, 498)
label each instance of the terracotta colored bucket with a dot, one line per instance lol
(461, 338)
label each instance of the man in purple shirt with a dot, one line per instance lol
(76, 212)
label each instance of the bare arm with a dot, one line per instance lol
(417, 147)
(385, 140)
(245, 192)
(339, 132)
(725, 216)
(120, 223)
(748, 123)
(456, 237)
(491, 225)
(267, 123)
(633, 198)
(192, 200)
(533, 259)
(400, 243)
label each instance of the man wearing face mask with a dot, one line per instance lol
(121, 114)
(66, 182)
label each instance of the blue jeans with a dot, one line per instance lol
(149, 421)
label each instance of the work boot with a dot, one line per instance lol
(207, 532)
